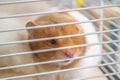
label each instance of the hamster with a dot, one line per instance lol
(14, 48)
(57, 18)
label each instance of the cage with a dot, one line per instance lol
(21, 52)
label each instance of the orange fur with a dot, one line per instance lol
(56, 18)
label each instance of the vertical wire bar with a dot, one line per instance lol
(101, 17)
(101, 28)
(101, 25)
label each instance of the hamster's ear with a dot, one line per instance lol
(30, 24)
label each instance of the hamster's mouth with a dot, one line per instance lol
(64, 63)
(67, 62)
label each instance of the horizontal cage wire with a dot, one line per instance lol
(102, 15)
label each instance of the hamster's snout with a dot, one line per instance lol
(69, 53)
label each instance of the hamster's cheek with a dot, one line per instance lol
(46, 56)
(78, 53)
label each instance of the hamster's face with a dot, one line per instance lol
(56, 43)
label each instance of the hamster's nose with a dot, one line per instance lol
(69, 53)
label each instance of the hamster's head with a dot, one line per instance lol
(53, 31)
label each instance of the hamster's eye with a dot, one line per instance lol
(52, 41)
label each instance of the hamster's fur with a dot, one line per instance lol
(61, 54)
(14, 48)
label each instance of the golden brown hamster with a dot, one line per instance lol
(56, 18)
(56, 31)
(86, 28)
